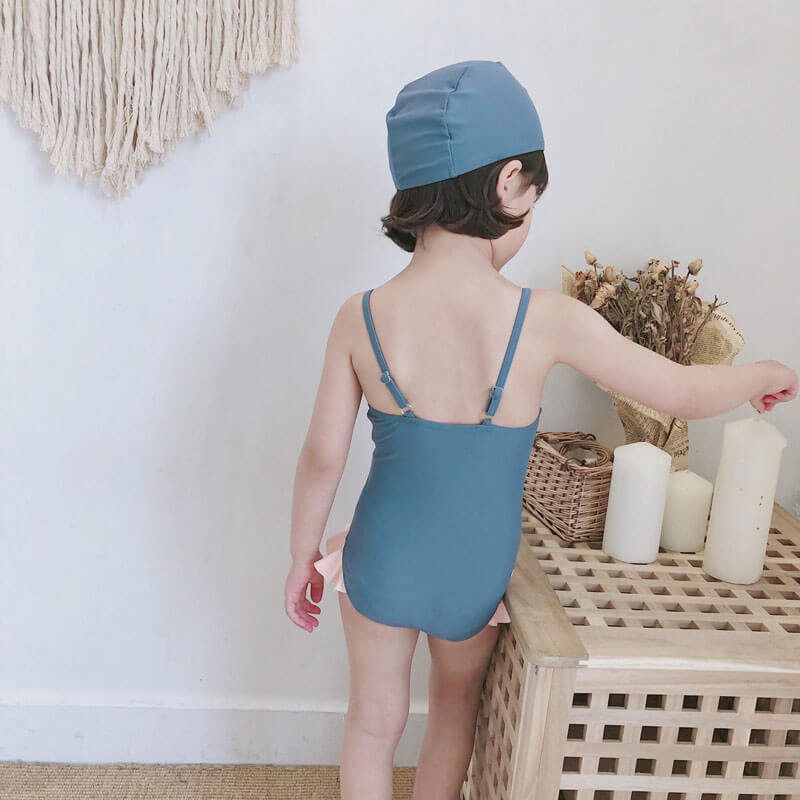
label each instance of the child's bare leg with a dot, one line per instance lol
(380, 668)
(456, 677)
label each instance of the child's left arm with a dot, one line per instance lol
(321, 463)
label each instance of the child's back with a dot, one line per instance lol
(436, 528)
(444, 339)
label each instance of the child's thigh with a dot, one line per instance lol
(460, 666)
(380, 659)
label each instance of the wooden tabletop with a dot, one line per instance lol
(572, 604)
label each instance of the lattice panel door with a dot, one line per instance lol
(693, 744)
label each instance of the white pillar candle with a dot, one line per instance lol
(744, 493)
(686, 512)
(636, 499)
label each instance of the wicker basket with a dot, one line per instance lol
(569, 493)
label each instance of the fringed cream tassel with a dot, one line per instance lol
(111, 86)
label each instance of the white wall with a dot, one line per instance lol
(160, 353)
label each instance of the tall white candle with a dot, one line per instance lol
(686, 511)
(636, 499)
(744, 493)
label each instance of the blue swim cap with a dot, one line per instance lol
(456, 119)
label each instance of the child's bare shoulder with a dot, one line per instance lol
(547, 306)
(350, 309)
(348, 320)
(349, 306)
(548, 296)
(552, 306)
(552, 317)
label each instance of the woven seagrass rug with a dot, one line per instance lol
(40, 781)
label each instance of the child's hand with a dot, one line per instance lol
(781, 387)
(299, 608)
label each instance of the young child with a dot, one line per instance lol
(452, 358)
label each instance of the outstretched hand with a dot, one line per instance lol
(781, 388)
(299, 608)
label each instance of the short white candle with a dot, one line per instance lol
(686, 511)
(744, 494)
(636, 499)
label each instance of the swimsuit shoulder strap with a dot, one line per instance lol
(496, 392)
(386, 378)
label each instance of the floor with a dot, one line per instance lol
(39, 781)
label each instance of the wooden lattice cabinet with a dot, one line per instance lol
(642, 681)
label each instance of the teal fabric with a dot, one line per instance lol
(436, 528)
(458, 118)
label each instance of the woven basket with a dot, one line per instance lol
(569, 491)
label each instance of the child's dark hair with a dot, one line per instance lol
(467, 203)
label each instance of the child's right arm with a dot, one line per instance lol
(582, 338)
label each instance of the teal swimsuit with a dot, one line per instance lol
(436, 528)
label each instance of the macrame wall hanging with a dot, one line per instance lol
(111, 86)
